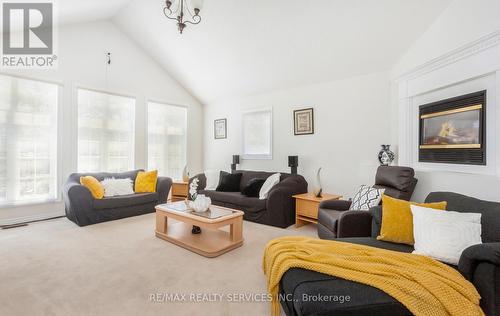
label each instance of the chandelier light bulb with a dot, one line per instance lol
(197, 4)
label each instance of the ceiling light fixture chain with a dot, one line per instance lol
(177, 9)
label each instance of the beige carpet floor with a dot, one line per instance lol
(114, 268)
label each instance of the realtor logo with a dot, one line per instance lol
(28, 34)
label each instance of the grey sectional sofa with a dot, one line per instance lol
(277, 210)
(480, 264)
(83, 209)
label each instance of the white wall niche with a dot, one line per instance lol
(468, 69)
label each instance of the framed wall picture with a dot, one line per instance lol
(303, 121)
(220, 128)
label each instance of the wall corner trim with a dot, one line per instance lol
(467, 50)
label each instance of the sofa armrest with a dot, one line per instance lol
(355, 224)
(474, 255)
(163, 185)
(77, 201)
(280, 201)
(292, 185)
(337, 205)
(480, 264)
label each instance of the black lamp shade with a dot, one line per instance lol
(236, 159)
(293, 161)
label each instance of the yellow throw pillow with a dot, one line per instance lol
(95, 187)
(146, 181)
(397, 220)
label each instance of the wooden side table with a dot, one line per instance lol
(306, 207)
(179, 191)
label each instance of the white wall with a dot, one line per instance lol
(351, 121)
(463, 22)
(82, 62)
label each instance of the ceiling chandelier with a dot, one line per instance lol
(179, 10)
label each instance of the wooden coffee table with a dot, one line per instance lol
(212, 241)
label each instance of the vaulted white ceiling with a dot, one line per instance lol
(75, 11)
(244, 47)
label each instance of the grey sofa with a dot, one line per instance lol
(480, 264)
(398, 182)
(83, 209)
(277, 210)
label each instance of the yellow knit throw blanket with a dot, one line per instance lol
(425, 286)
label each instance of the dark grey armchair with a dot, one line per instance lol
(83, 209)
(398, 182)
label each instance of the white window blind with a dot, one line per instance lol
(167, 127)
(105, 132)
(257, 134)
(28, 140)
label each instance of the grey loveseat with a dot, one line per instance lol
(277, 210)
(83, 209)
(480, 264)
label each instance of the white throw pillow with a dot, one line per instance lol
(443, 235)
(270, 182)
(113, 187)
(212, 179)
(366, 198)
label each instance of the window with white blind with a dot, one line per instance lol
(167, 127)
(257, 134)
(28, 140)
(105, 132)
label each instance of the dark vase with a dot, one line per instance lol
(385, 155)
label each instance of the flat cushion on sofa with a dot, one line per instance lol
(212, 179)
(253, 187)
(268, 185)
(397, 219)
(103, 175)
(115, 187)
(145, 182)
(229, 182)
(125, 200)
(365, 198)
(490, 211)
(93, 185)
(444, 235)
(248, 175)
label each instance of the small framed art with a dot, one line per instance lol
(303, 121)
(220, 128)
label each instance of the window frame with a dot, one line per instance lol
(58, 179)
(146, 125)
(257, 156)
(75, 90)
